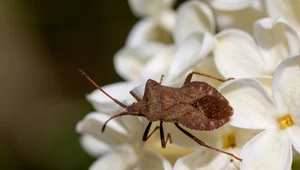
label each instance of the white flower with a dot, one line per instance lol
(93, 146)
(144, 62)
(193, 17)
(235, 49)
(239, 14)
(142, 58)
(149, 8)
(157, 24)
(227, 138)
(288, 9)
(278, 116)
(145, 57)
(237, 54)
(152, 30)
(154, 60)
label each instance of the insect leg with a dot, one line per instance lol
(161, 79)
(162, 136)
(145, 136)
(135, 95)
(190, 75)
(200, 142)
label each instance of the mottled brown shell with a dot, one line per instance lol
(196, 105)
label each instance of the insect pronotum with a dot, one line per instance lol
(195, 105)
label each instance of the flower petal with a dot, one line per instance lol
(93, 146)
(230, 5)
(193, 16)
(157, 66)
(119, 91)
(122, 158)
(139, 90)
(134, 127)
(92, 124)
(268, 150)
(286, 85)
(203, 159)
(146, 31)
(251, 103)
(294, 133)
(288, 9)
(236, 19)
(276, 41)
(190, 52)
(236, 54)
(266, 81)
(207, 66)
(151, 160)
(142, 8)
(129, 62)
(167, 20)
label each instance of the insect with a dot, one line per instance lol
(195, 105)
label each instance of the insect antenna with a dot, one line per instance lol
(117, 115)
(98, 87)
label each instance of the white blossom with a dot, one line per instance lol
(240, 14)
(238, 54)
(153, 60)
(228, 139)
(287, 9)
(149, 8)
(277, 115)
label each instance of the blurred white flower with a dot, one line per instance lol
(153, 60)
(93, 146)
(141, 8)
(278, 116)
(288, 9)
(155, 26)
(148, 54)
(193, 17)
(144, 62)
(240, 14)
(152, 30)
(231, 5)
(238, 54)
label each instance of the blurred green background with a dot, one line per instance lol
(42, 43)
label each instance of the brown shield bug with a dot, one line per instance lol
(195, 105)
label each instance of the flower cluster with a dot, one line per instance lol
(256, 42)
